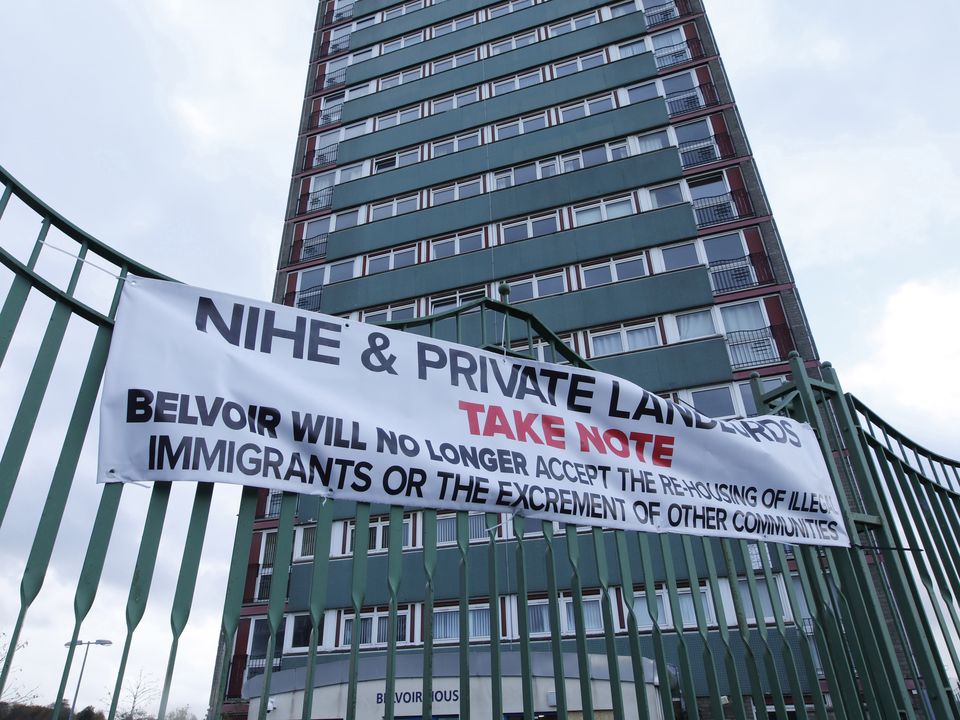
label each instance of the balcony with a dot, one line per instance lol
(762, 346)
(321, 157)
(740, 273)
(317, 200)
(308, 299)
(696, 98)
(665, 12)
(257, 664)
(719, 209)
(310, 248)
(707, 150)
(321, 118)
(333, 14)
(680, 53)
(330, 80)
(338, 44)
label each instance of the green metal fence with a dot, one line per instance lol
(729, 629)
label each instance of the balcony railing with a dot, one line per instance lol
(696, 98)
(328, 116)
(740, 273)
(343, 12)
(266, 582)
(257, 664)
(708, 150)
(308, 299)
(330, 80)
(719, 209)
(338, 44)
(317, 200)
(310, 248)
(680, 53)
(321, 157)
(762, 346)
(664, 13)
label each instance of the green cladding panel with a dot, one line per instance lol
(702, 362)
(511, 151)
(515, 202)
(503, 65)
(536, 97)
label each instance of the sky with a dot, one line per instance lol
(166, 128)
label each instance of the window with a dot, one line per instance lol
(456, 144)
(537, 286)
(613, 271)
(350, 172)
(695, 325)
(639, 93)
(670, 48)
(347, 219)
(446, 623)
(358, 91)
(508, 7)
(389, 314)
(750, 340)
(634, 47)
(592, 616)
(525, 173)
(396, 160)
(577, 23)
(680, 256)
(355, 130)
(665, 196)
(391, 260)
(624, 8)
(405, 41)
(520, 126)
(584, 158)
(538, 617)
(501, 87)
(653, 141)
(341, 271)
(583, 62)
(714, 402)
(457, 191)
(375, 629)
(307, 542)
(604, 210)
(458, 244)
(400, 78)
(586, 107)
(453, 61)
(453, 300)
(447, 528)
(268, 553)
(398, 117)
(300, 628)
(379, 538)
(403, 9)
(625, 339)
(397, 206)
(746, 393)
(454, 25)
(531, 227)
(641, 610)
(457, 100)
(512, 43)
(682, 94)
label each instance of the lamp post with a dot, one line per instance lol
(88, 643)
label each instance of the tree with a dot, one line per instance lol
(88, 713)
(136, 696)
(14, 693)
(181, 713)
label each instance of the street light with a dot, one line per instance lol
(88, 643)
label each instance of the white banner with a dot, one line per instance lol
(211, 387)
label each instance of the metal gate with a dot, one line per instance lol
(713, 628)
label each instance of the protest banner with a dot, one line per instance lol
(205, 386)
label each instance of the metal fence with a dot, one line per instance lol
(725, 628)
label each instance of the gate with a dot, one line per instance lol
(613, 624)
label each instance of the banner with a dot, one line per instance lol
(211, 387)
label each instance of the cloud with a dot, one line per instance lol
(910, 361)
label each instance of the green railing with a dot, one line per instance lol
(713, 628)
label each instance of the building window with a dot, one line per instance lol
(458, 244)
(457, 100)
(691, 326)
(571, 24)
(379, 537)
(509, 7)
(389, 314)
(666, 196)
(300, 627)
(454, 25)
(538, 617)
(716, 402)
(400, 78)
(613, 271)
(446, 623)
(604, 210)
(592, 616)
(634, 47)
(397, 206)
(639, 93)
(447, 528)
(525, 173)
(538, 286)
(624, 8)
(517, 41)
(520, 126)
(583, 62)
(396, 160)
(624, 339)
(641, 610)
(456, 144)
(517, 82)
(458, 60)
(398, 117)
(587, 107)
(391, 260)
(403, 9)
(456, 299)
(306, 542)
(374, 629)
(457, 191)
(528, 228)
(402, 42)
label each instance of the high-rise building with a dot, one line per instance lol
(589, 154)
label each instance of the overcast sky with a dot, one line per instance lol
(166, 128)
